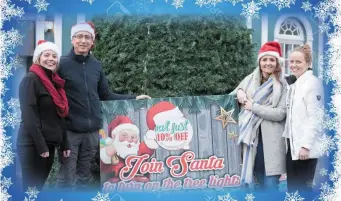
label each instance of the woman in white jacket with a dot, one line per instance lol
(304, 105)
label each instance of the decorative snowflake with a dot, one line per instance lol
(41, 5)
(16, 62)
(234, 2)
(13, 38)
(200, 2)
(312, 184)
(3, 89)
(226, 197)
(306, 6)
(13, 103)
(101, 197)
(28, 1)
(141, 6)
(10, 10)
(209, 198)
(264, 2)
(214, 2)
(249, 197)
(323, 172)
(293, 197)
(11, 119)
(178, 3)
(324, 28)
(327, 145)
(32, 193)
(6, 182)
(5, 71)
(323, 10)
(250, 10)
(89, 1)
(283, 3)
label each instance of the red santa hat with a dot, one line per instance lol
(121, 123)
(85, 26)
(44, 45)
(162, 111)
(272, 48)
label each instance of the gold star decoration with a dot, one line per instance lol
(225, 117)
(232, 135)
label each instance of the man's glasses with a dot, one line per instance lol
(80, 36)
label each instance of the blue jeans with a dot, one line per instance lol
(265, 182)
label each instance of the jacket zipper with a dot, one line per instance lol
(87, 93)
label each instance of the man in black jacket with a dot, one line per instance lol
(85, 86)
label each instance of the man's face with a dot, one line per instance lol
(126, 143)
(82, 42)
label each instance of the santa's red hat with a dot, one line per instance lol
(272, 48)
(121, 123)
(85, 26)
(162, 111)
(44, 45)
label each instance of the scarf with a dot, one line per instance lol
(56, 91)
(249, 124)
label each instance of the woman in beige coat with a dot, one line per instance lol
(262, 96)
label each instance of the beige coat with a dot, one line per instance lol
(272, 125)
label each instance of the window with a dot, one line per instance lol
(290, 35)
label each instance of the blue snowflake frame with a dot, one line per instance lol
(326, 13)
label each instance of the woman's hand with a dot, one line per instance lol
(66, 153)
(303, 153)
(241, 96)
(248, 104)
(45, 154)
(142, 97)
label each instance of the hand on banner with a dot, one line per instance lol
(241, 96)
(66, 153)
(142, 97)
(303, 153)
(45, 154)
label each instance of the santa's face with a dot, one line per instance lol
(126, 143)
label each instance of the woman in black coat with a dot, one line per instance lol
(43, 105)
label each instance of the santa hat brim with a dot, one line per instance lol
(43, 47)
(270, 53)
(82, 27)
(126, 126)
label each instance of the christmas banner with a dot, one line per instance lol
(170, 144)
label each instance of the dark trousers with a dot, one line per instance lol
(75, 171)
(300, 173)
(34, 168)
(265, 182)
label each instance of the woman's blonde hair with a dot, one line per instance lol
(306, 51)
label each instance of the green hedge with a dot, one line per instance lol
(169, 56)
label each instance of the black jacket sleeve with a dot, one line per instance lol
(65, 142)
(104, 92)
(29, 112)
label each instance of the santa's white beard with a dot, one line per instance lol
(123, 150)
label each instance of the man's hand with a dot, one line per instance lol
(45, 154)
(142, 97)
(66, 153)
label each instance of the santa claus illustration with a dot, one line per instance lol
(123, 140)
